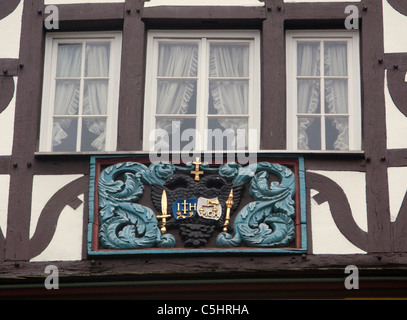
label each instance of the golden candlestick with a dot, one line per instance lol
(229, 205)
(164, 215)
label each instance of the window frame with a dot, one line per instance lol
(200, 37)
(354, 85)
(52, 41)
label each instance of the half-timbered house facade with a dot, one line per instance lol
(108, 172)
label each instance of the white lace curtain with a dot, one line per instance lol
(67, 92)
(174, 95)
(230, 97)
(336, 90)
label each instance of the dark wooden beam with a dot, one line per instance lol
(26, 128)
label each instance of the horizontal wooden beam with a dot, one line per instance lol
(208, 13)
(10, 67)
(90, 11)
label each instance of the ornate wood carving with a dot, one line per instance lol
(195, 208)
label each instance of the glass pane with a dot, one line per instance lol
(309, 133)
(176, 97)
(336, 96)
(228, 97)
(176, 134)
(229, 60)
(66, 97)
(308, 58)
(308, 96)
(93, 135)
(64, 135)
(69, 60)
(178, 60)
(228, 134)
(97, 60)
(95, 97)
(337, 133)
(336, 58)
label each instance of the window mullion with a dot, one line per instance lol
(53, 90)
(203, 96)
(322, 94)
(81, 98)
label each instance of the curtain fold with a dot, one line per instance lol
(230, 97)
(96, 91)
(308, 91)
(336, 91)
(66, 91)
(95, 96)
(174, 95)
(336, 95)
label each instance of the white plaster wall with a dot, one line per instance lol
(395, 24)
(46, 2)
(326, 237)
(396, 123)
(66, 244)
(397, 189)
(10, 32)
(7, 125)
(4, 193)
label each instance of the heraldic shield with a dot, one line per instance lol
(195, 205)
(196, 208)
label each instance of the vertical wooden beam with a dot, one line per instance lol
(273, 112)
(27, 114)
(374, 127)
(131, 104)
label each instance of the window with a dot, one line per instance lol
(202, 86)
(81, 88)
(323, 90)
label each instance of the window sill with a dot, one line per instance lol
(351, 153)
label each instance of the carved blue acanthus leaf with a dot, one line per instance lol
(268, 221)
(125, 224)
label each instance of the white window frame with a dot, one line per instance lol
(354, 84)
(203, 37)
(50, 64)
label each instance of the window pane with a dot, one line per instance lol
(336, 96)
(308, 96)
(176, 97)
(309, 133)
(336, 59)
(66, 97)
(228, 134)
(229, 60)
(308, 59)
(64, 135)
(337, 133)
(69, 60)
(95, 97)
(93, 134)
(229, 97)
(97, 60)
(178, 60)
(175, 134)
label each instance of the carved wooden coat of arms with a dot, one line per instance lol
(195, 205)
